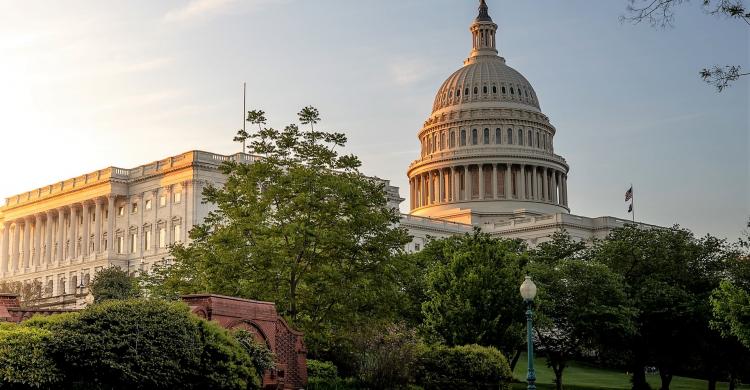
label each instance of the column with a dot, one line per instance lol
(522, 182)
(98, 226)
(565, 190)
(37, 258)
(545, 184)
(411, 194)
(467, 183)
(15, 250)
(26, 242)
(111, 222)
(85, 213)
(170, 228)
(73, 235)
(4, 248)
(480, 171)
(494, 180)
(60, 234)
(155, 234)
(554, 188)
(454, 188)
(441, 181)
(48, 242)
(508, 184)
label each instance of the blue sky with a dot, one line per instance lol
(89, 84)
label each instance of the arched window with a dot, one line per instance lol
(498, 136)
(520, 137)
(450, 93)
(476, 90)
(503, 89)
(463, 137)
(545, 141)
(458, 92)
(484, 89)
(511, 91)
(474, 137)
(453, 139)
(510, 136)
(466, 91)
(538, 140)
(486, 136)
(494, 89)
(531, 139)
(525, 92)
(442, 141)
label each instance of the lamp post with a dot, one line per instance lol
(528, 292)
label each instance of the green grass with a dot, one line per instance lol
(579, 376)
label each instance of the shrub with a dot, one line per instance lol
(387, 357)
(321, 370)
(262, 357)
(114, 283)
(468, 366)
(223, 364)
(24, 357)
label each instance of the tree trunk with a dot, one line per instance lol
(639, 377)
(732, 381)
(558, 369)
(666, 378)
(712, 383)
(514, 360)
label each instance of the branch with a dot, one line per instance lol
(721, 77)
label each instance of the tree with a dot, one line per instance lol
(660, 13)
(309, 116)
(114, 283)
(730, 301)
(472, 292)
(581, 304)
(301, 227)
(28, 292)
(668, 275)
(24, 358)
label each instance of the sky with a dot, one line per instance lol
(89, 84)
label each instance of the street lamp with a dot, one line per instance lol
(528, 292)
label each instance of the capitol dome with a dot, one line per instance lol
(487, 150)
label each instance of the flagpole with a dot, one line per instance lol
(632, 200)
(244, 112)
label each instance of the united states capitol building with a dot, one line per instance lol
(487, 159)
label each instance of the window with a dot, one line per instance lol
(520, 137)
(538, 140)
(486, 136)
(133, 242)
(120, 245)
(463, 137)
(510, 136)
(177, 236)
(134, 208)
(498, 136)
(511, 90)
(442, 141)
(474, 137)
(458, 92)
(494, 89)
(484, 89)
(545, 141)
(531, 139)
(526, 93)
(453, 139)
(416, 247)
(162, 201)
(503, 89)
(147, 239)
(476, 90)
(121, 211)
(148, 204)
(162, 237)
(178, 197)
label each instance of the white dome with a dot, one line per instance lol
(487, 79)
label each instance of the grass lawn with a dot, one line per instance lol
(578, 376)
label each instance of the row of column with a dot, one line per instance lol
(52, 237)
(488, 182)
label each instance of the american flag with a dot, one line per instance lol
(629, 194)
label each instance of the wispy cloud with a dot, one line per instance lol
(198, 8)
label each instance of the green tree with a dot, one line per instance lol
(472, 292)
(660, 13)
(28, 292)
(114, 283)
(309, 116)
(730, 301)
(668, 275)
(301, 227)
(581, 304)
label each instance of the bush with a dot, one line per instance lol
(468, 366)
(24, 357)
(387, 356)
(321, 370)
(114, 283)
(262, 357)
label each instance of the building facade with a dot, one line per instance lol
(487, 160)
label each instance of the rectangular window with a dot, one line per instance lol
(162, 238)
(134, 208)
(147, 239)
(120, 245)
(133, 242)
(148, 204)
(177, 197)
(177, 236)
(162, 201)
(121, 211)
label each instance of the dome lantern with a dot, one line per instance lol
(483, 32)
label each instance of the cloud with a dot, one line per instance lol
(410, 71)
(197, 8)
